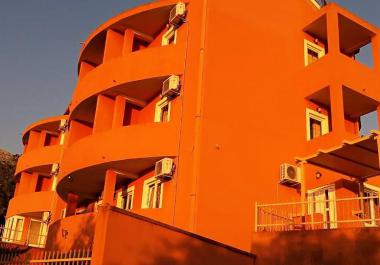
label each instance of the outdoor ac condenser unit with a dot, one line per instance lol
(177, 14)
(290, 175)
(171, 86)
(164, 168)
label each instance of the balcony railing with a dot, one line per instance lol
(20, 237)
(318, 214)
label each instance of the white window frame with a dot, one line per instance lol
(145, 197)
(375, 190)
(316, 4)
(12, 234)
(308, 45)
(324, 119)
(159, 106)
(317, 204)
(39, 232)
(170, 33)
(121, 198)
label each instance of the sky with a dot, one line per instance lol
(39, 47)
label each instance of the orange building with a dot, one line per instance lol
(219, 123)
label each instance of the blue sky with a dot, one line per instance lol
(40, 42)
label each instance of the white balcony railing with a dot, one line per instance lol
(20, 237)
(318, 214)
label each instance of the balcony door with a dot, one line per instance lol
(323, 201)
(371, 205)
(35, 227)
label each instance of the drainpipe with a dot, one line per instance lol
(198, 122)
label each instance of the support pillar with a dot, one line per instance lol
(119, 111)
(333, 41)
(109, 187)
(337, 109)
(72, 204)
(376, 53)
(129, 36)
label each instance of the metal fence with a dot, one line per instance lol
(73, 257)
(28, 238)
(318, 214)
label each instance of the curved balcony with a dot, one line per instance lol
(85, 162)
(39, 160)
(30, 203)
(49, 124)
(131, 75)
(157, 13)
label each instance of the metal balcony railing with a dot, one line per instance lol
(20, 237)
(318, 214)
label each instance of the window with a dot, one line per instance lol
(313, 52)
(152, 193)
(317, 124)
(162, 112)
(316, 3)
(13, 229)
(125, 198)
(170, 37)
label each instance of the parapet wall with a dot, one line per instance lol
(321, 247)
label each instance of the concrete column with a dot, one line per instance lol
(28, 183)
(376, 52)
(72, 203)
(114, 45)
(100, 234)
(104, 114)
(337, 108)
(129, 36)
(85, 67)
(109, 187)
(119, 111)
(333, 32)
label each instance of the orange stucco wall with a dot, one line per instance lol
(158, 244)
(344, 246)
(239, 115)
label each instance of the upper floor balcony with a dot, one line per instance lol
(137, 44)
(31, 203)
(338, 88)
(85, 162)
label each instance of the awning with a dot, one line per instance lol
(358, 158)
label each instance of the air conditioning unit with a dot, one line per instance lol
(171, 86)
(164, 168)
(290, 175)
(177, 14)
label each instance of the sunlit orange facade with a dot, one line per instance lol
(226, 122)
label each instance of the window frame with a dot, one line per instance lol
(316, 4)
(308, 45)
(324, 119)
(122, 200)
(160, 105)
(145, 198)
(170, 33)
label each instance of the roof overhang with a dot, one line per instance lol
(358, 158)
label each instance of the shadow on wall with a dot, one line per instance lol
(188, 252)
(72, 233)
(323, 247)
(128, 238)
